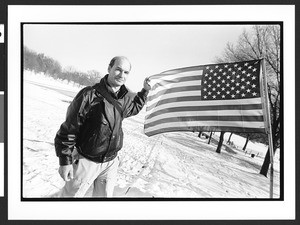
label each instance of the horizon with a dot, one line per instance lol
(151, 49)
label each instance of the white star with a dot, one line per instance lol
(232, 88)
(254, 93)
(238, 76)
(207, 67)
(227, 85)
(243, 79)
(254, 77)
(218, 85)
(211, 71)
(224, 73)
(209, 78)
(223, 81)
(254, 69)
(240, 68)
(223, 89)
(214, 96)
(205, 82)
(237, 84)
(242, 87)
(246, 64)
(235, 65)
(248, 74)
(237, 91)
(220, 70)
(229, 69)
(204, 89)
(218, 93)
(217, 66)
(214, 81)
(244, 71)
(219, 77)
(233, 72)
(209, 85)
(228, 77)
(228, 92)
(248, 82)
(243, 95)
(253, 85)
(215, 74)
(249, 67)
(209, 93)
(232, 96)
(205, 96)
(248, 90)
(232, 80)
(214, 89)
(226, 66)
(223, 96)
(206, 74)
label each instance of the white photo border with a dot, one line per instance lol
(147, 210)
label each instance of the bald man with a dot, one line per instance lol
(88, 142)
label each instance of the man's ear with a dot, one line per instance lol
(108, 69)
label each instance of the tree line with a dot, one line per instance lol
(40, 63)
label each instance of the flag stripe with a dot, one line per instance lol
(255, 112)
(174, 90)
(206, 123)
(175, 99)
(164, 82)
(188, 71)
(203, 105)
(173, 95)
(223, 102)
(206, 128)
(205, 118)
(176, 84)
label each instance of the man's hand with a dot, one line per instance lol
(147, 86)
(66, 172)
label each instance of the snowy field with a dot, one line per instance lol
(172, 165)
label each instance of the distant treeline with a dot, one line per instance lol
(39, 63)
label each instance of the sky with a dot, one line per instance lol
(151, 48)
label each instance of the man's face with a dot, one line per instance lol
(118, 74)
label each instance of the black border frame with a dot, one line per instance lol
(281, 197)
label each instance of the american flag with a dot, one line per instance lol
(216, 97)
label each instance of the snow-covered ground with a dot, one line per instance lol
(171, 165)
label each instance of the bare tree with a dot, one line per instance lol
(220, 142)
(262, 42)
(246, 143)
(229, 139)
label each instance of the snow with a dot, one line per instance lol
(170, 165)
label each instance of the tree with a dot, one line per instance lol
(199, 135)
(228, 141)
(220, 142)
(262, 41)
(246, 143)
(209, 138)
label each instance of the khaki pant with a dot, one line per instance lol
(100, 178)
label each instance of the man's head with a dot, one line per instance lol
(118, 70)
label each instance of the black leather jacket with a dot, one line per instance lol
(94, 126)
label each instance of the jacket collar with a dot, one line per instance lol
(105, 86)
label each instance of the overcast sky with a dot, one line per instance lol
(150, 48)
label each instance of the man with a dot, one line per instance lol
(88, 142)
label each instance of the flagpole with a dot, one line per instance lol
(269, 127)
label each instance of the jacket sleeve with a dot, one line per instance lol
(136, 104)
(66, 136)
